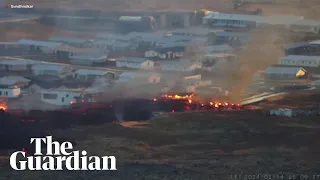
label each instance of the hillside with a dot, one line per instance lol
(196, 146)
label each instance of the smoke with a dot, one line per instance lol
(263, 49)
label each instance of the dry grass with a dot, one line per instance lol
(210, 144)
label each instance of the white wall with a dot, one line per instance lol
(10, 93)
(145, 65)
(63, 98)
(151, 54)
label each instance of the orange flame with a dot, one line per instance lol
(3, 107)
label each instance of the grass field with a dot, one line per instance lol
(196, 146)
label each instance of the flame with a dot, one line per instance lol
(3, 107)
(154, 99)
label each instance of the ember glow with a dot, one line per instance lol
(3, 107)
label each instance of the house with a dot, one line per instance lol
(285, 73)
(89, 74)
(194, 32)
(134, 62)
(52, 70)
(37, 46)
(210, 59)
(66, 51)
(216, 49)
(139, 77)
(180, 66)
(306, 26)
(113, 45)
(166, 53)
(227, 37)
(300, 61)
(14, 65)
(63, 96)
(89, 59)
(301, 48)
(73, 41)
(17, 81)
(9, 91)
(247, 21)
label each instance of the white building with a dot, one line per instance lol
(134, 62)
(216, 49)
(247, 21)
(18, 81)
(306, 26)
(139, 77)
(73, 41)
(16, 65)
(52, 70)
(89, 74)
(35, 45)
(301, 61)
(10, 91)
(63, 96)
(284, 73)
(180, 66)
(165, 53)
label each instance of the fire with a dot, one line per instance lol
(3, 107)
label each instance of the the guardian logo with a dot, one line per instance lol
(63, 158)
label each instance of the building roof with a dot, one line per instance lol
(91, 72)
(306, 22)
(216, 48)
(296, 45)
(11, 80)
(18, 62)
(233, 34)
(297, 57)
(39, 43)
(65, 39)
(194, 31)
(132, 59)
(129, 75)
(53, 67)
(169, 49)
(275, 19)
(315, 42)
(66, 48)
(182, 63)
(77, 90)
(283, 70)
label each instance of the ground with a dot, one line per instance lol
(196, 146)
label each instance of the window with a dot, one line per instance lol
(67, 95)
(0, 93)
(62, 99)
(49, 96)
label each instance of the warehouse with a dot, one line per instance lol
(14, 65)
(300, 61)
(53, 70)
(88, 74)
(303, 48)
(285, 73)
(135, 63)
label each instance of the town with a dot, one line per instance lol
(93, 68)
